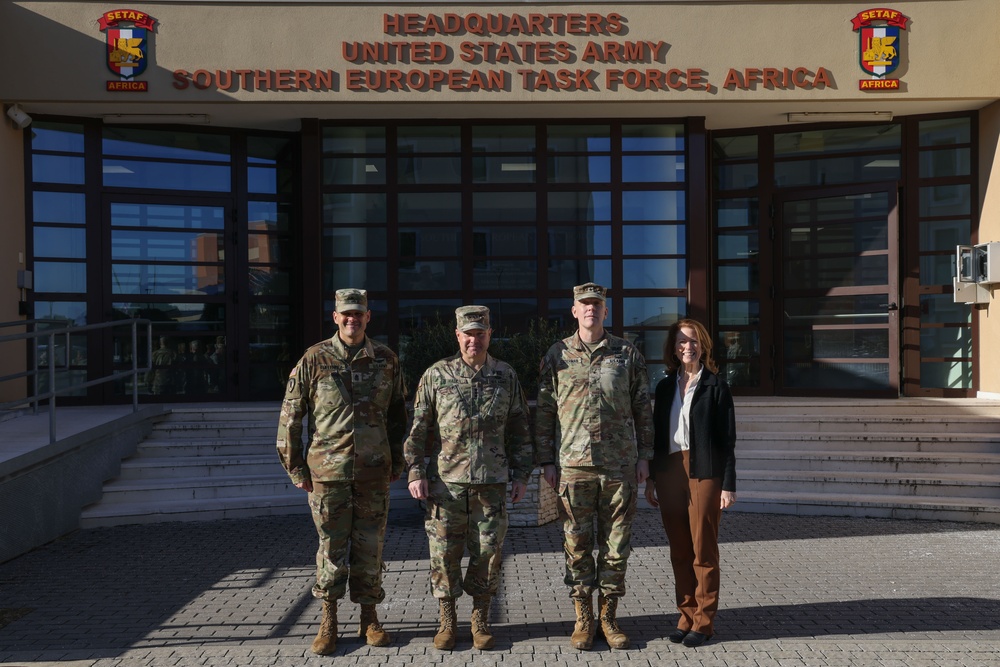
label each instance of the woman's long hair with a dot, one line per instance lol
(704, 343)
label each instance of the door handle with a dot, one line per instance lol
(892, 306)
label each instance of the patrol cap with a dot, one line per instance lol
(589, 291)
(468, 318)
(351, 299)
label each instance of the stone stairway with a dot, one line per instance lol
(907, 458)
(204, 463)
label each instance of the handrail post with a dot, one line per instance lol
(34, 374)
(52, 387)
(135, 368)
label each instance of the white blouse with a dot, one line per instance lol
(680, 413)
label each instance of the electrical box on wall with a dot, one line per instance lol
(978, 263)
(987, 263)
(970, 266)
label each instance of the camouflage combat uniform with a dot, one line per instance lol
(594, 422)
(357, 421)
(474, 427)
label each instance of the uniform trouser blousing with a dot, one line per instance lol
(460, 517)
(691, 515)
(350, 518)
(586, 496)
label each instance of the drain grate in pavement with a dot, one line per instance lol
(10, 615)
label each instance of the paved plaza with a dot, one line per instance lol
(809, 591)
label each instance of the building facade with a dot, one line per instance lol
(795, 175)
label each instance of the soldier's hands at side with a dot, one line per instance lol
(641, 471)
(551, 475)
(305, 486)
(418, 489)
(651, 494)
(728, 498)
(517, 491)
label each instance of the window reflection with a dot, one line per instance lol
(505, 274)
(70, 277)
(354, 208)
(654, 240)
(62, 137)
(653, 205)
(504, 207)
(420, 207)
(579, 206)
(68, 243)
(167, 279)
(67, 207)
(658, 311)
(369, 275)
(162, 215)
(430, 275)
(653, 169)
(654, 273)
(143, 142)
(568, 273)
(57, 169)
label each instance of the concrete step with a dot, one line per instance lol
(844, 423)
(882, 461)
(255, 412)
(185, 430)
(164, 448)
(198, 488)
(183, 467)
(949, 407)
(873, 441)
(937, 485)
(884, 506)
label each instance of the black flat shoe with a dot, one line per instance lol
(694, 639)
(677, 636)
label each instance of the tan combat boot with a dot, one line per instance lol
(583, 631)
(371, 629)
(326, 639)
(482, 637)
(445, 637)
(609, 623)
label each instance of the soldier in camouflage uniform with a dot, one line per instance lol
(351, 388)
(470, 417)
(594, 439)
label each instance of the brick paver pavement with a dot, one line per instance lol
(797, 591)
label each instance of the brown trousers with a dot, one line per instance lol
(691, 514)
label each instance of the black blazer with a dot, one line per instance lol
(713, 428)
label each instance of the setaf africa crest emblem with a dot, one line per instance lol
(127, 34)
(880, 47)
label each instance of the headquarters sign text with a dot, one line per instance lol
(500, 52)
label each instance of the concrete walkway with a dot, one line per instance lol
(797, 591)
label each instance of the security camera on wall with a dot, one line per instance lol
(21, 119)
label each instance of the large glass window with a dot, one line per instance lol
(509, 215)
(169, 231)
(944, 219)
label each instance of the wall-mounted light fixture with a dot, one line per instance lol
(839, 116)
(16, 114)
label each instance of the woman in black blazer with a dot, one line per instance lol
(693, 476)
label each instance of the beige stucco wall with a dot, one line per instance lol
(710, 37)
(11, 251)
(989, 230)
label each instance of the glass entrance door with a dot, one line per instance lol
(837, 296)
(168, 264)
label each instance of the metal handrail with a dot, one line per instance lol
(51, 334)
